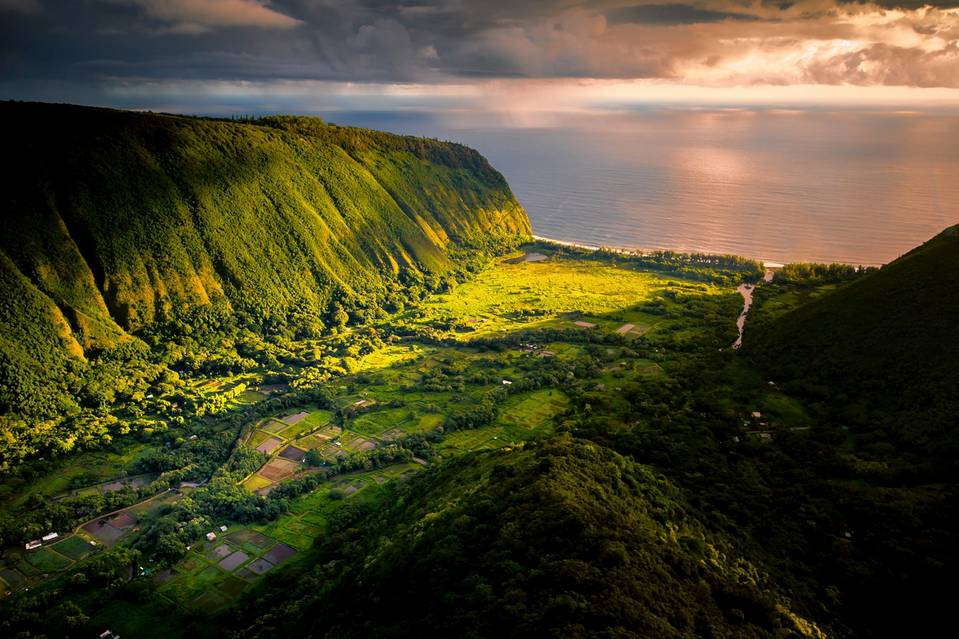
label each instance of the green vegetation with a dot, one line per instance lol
(555, 293)
(124, 230)
(398, 408)
(878, 358)
(477, 540)
(409, 429)
(640, 482)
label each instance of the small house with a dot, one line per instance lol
(31, 545)
(506, 382)
(222, 528)
(210, 536)
(50, 536)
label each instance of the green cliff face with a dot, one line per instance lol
(114, 221)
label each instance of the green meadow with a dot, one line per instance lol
(554, 293)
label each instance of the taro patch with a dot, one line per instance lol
(104, 532)
(269, 445)
(233, 561)
(296, 417)
(293, 453)
(123, 521)
(220, 552)
(279, 469)
(259, 566)
(279, 553)
(76, 548)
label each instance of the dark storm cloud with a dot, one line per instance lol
(671, 14)
(906, 4)
(67, 47)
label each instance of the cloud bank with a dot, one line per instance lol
(55, 47)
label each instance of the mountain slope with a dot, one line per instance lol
(562, 539)
(116, 220)
(880, 354)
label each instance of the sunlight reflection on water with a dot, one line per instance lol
(784, 186)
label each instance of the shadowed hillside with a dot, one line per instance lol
(565, 539)
(879, 355)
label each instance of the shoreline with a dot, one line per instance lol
(638, 250)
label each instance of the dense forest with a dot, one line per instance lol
(562, 539)
(878, 357)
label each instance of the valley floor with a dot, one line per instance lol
(523, 351)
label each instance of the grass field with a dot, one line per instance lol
(553, 292)
(522, 417)
(75, 548)
(47, 560)
(251, 397)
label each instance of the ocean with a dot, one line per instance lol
(782, 186)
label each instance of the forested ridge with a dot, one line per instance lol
(566, 538)
(878, 357)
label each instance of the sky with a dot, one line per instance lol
(252, 56)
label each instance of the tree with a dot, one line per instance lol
(170, 549)
(340, 316)
(313, 458)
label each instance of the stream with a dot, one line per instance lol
(746, 290)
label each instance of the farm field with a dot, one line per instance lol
(522, 417)
(214, 574)
(88, 469)
(20, 569)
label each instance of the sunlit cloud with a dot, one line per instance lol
(199, 16)
(114, 48)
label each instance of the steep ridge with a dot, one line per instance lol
(879, 355)
(115, 220)
(565, 538)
